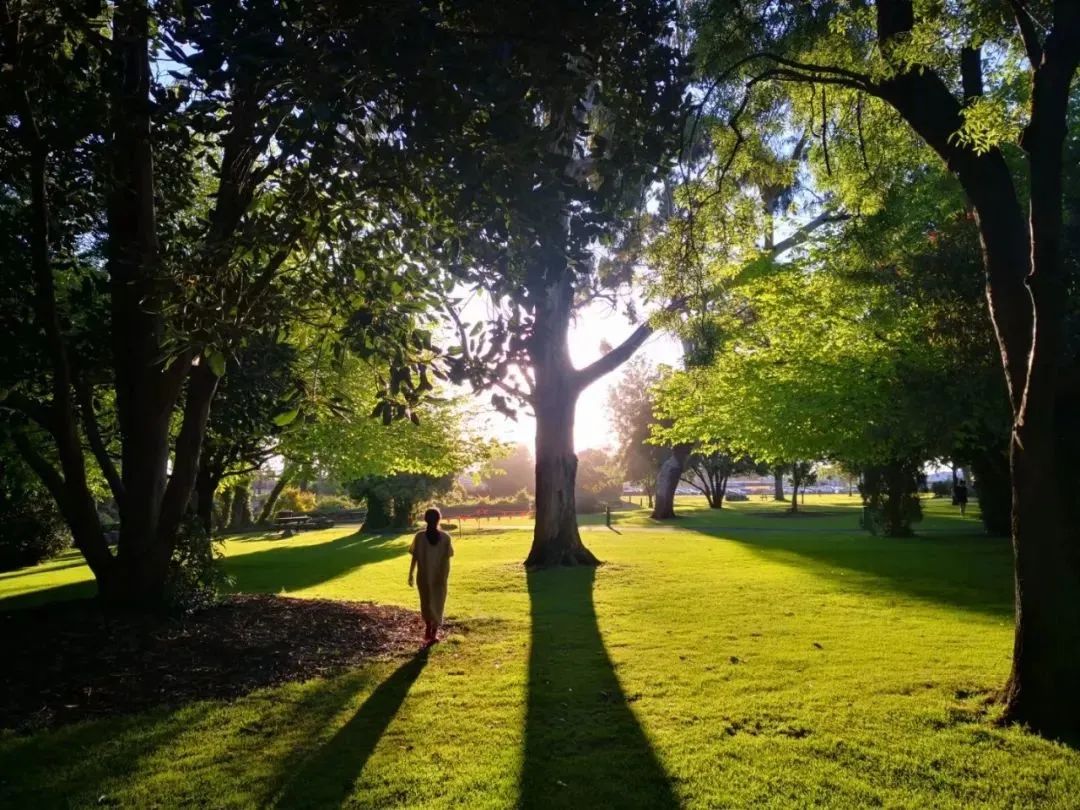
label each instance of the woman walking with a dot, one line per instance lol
(431, 551)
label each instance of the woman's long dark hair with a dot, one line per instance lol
(432, 518)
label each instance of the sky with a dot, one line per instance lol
(595, 324)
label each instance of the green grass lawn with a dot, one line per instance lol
(741, 659)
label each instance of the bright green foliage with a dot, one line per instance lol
(338, 437)
(744, 661)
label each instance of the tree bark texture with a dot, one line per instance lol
(667, 481)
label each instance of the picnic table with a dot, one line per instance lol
(290, 523)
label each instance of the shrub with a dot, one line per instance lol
(890, 498)
(294, 499)
(31, 529)
(331, 504)
(195, 574)
(589, 503)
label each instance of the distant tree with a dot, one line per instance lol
(630, 406)
(258, 397)
(891, 495)
(599, 475)
(508, 475)
(802, 475)
(708, 472)
(31, 528)
(394, 501)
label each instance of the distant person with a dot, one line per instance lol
(431, 551)
(960, 495)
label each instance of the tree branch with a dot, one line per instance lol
(93, 436)
(971, 73)
(805, 231)
(32, 408)
(1030, 37)
(585, 377)
(49, 475)
(201, 386)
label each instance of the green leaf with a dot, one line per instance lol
(286, 417)
(216, 361)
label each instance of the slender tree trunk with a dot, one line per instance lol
(778, 484)
(223, 513)
(994, 491)
(667, 481)
(241, 519)
(267, 510)
(205, 487)
(721, 490)
(794, 493)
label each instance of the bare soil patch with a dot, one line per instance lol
(74, 661)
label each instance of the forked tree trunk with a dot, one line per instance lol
(556, 540)
(667, 481)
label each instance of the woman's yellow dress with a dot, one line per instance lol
(433, 571)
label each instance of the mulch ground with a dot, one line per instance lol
(73, 661)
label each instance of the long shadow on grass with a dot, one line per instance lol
(967, 572)
(293, 568)
(328, 777)
(55, 593)
(583, 744)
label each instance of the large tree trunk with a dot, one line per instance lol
(778, 484)
(404, 513)
(1027, 293)
(379, 515)
(667, 481)
(147, 386)
(1042, 688)
(556, 540)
